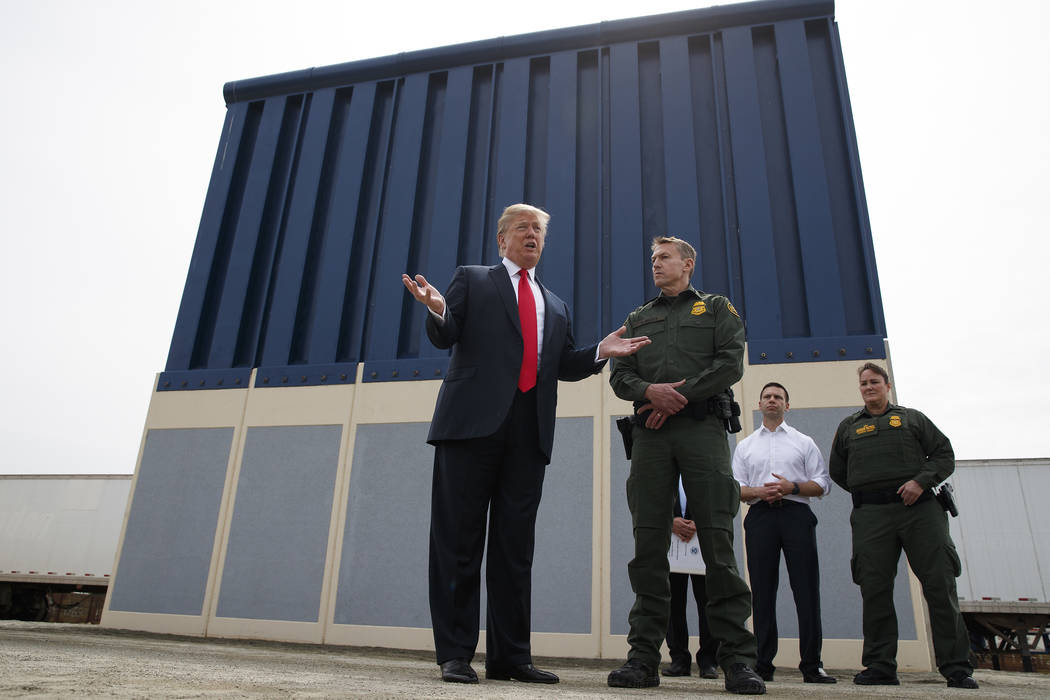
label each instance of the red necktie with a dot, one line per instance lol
(527, 314)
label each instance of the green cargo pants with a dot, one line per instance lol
(879, 533)
(699, 450)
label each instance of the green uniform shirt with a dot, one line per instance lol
(695, 336)
(878, 452)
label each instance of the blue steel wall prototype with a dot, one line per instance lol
(739, 140)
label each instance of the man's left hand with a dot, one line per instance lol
(910, 491)
(615, 345)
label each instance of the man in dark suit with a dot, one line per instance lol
(493, 428)
(684, 528)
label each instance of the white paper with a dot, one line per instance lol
(685, 557)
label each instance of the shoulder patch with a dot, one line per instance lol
(732, 309)
(699, 308)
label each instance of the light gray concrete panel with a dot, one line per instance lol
(275, 556)
(561, 567)
(383, 571)
(383, 577)
(170, 533)
(840, 601)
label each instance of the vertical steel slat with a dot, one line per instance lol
(752, 186)
(508, 183)
(288, 285)
(341, 228)
(820, 265)
(683, 210)
(191, 310)
(444, 226)
(626, 244)
(395, 226)
(228, 322)
(559, 257)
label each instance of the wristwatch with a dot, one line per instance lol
(794, 491)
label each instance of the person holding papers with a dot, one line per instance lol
(684, 530)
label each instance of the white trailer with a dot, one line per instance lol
(58, 541)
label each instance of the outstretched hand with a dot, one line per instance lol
(615, 345)
(425, 293)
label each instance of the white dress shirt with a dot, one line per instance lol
(541, 307)
(785, 451)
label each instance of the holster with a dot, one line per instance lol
(626, 425)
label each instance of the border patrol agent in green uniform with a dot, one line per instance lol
(696, 354)
(889, 458)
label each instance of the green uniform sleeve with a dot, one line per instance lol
(940, 457)
(728, 365)
(624, 378)
(839, 457)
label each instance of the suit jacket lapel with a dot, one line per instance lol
(548, 318)
(501, 278)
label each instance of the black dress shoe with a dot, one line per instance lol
(870, 676)
(526, 673)
(458, 671)
(633, 674)
(708, 672)
(677, 668)
(818, 676)
(961, 679)
(742, 680)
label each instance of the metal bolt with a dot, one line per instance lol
(324, 377)
(302, 378)
(816, 353)
(415, 373)
(763, 356)
(266, 380)
(237, 380)
(284, 380)
(219, 382)
(437, 373)
(202, 382)
(394, 373)
(867, 350)
(343, 376)
(789, 355)
(842, 352)
(184, 382)
(373, 375)
(168, 383)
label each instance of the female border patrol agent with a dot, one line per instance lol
(889, 458)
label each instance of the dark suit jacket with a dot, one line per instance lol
(483, 329)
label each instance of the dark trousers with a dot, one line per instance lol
(699, 451)
(921, 530)
(791, 529)
(678, 627)
(501, 477)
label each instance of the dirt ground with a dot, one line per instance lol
(48, 660)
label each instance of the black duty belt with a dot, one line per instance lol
(693, 409)
(780, 503)
(881, 498)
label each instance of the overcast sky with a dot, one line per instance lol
(112, 113)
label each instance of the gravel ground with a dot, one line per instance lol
(47, 660)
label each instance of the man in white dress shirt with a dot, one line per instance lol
(779, 470)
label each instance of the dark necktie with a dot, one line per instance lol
(527, 314)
